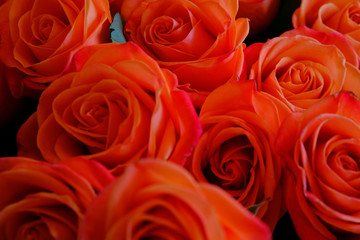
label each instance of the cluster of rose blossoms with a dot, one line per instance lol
(154, 119)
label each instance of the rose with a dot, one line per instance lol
(236, 151)
(303, 66)
(116, 107)
(331, 16)
(321, 149)
(155, 199)
(40, 37)
(44, 201)
(200, 41)
(261, 13)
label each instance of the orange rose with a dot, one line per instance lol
(331, 16)
(302, 66)
(236, 148)
(40, 37)
(118, 106)
(199, 40)
(44, 201)
(155, 199)
(261, 13)
(321, 149)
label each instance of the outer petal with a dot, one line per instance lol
(50, 199)
(163, 199)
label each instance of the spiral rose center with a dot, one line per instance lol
(337, 150)
(349, 163)
(354, 14)
(231, 164)
(168, 30)
(299, 79)
(95, 114)
(34, 230)
(238, 170)
(46, 27)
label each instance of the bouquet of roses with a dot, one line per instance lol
(179, 119)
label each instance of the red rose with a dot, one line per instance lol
(302, 66)
(156, 199)
(199, 40)
(44, 201)
(321, 149)
(118, 107)
(40, 37)
(236, 148)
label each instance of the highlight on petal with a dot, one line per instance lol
(164, 201)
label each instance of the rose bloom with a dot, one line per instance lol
(331, 16)
(39, 38)
(117, 106)
(155, 199)
(200, 41)
(322, 150)
(261, 13)
(236, 149)
(302, 66)
(44, 201)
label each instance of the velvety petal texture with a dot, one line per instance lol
(117, 106)
(302, 66)
(321, 149)
(40, 37)
(44, 201)
(236, 150)
(156, 199)
(200, 41)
